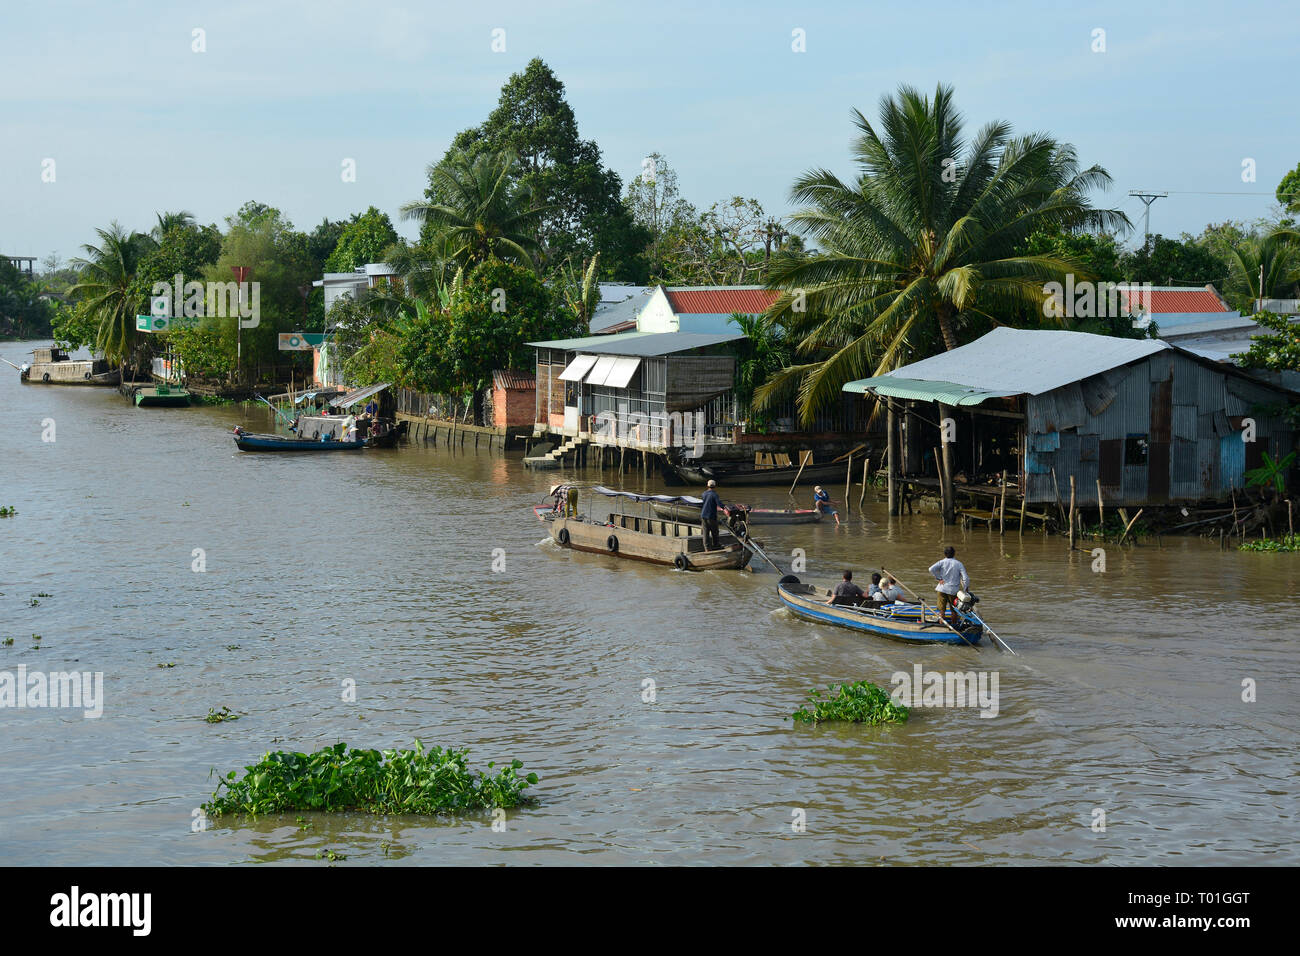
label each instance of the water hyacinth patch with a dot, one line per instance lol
(337, 778)
(860, 703)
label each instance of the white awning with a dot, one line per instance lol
(604, 365)
(577, 368)
(622, 372)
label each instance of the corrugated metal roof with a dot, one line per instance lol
(508, 378)
(352, 398)
(720, 300)
(922, 391)
(1024, 361)
(642, 344)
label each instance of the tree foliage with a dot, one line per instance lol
(364, 239)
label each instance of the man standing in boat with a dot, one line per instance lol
(709, 516)
(952, 577)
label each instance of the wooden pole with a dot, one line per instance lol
(949, 508)
(943, 486)
(1057, 489)
(1072, 512)
(1101, 511)
(866, 467)
(891, 461)
(848, 481)
(1130, 524)
(1002, 506)
(803, 460)
(1024, 500)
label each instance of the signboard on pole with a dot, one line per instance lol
(163, 323)
(300, 341)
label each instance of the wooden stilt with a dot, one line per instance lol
(1101, 511)
(848, 481)
(866, 467)
(1002, 506)
(1072, 512)
(891, 461)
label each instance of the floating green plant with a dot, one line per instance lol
(217, 716)
(1287, 542)
(860, 703)
(331, 855)
(9, 642)
(391, 781)
(8, 511)
(170, 665)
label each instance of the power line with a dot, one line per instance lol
(1147, 198)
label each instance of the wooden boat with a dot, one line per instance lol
(642, 538)
(161, 396)
(899, 622)
(727, 475)
(54, 366)
(246, 441)
(688, 509)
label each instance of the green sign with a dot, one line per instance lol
(162, 323)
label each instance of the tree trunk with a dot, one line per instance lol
(946, 329)
(945, 478)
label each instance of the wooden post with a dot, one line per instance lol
(1002, 506)
(891, 424)
(1057, 489)
(866, 467)
(1289, 526)
(848, 481)
(943, 487)
(949, 508)
(1072, 512)
(1101, 511)
(1024, 500)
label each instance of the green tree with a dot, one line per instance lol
(23, 314)
(763, 352)
(1278, 349)
(1162, 261)
(1288, 190)
(653, 199)
(923, 244)
(483, 212)
(107, 287)
(1277, 256)
(563, 173)
(364, 239)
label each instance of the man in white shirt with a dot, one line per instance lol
(952, 577)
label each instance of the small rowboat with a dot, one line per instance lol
(899, 622)
(688, 509)
(749, 475)
(642, 538)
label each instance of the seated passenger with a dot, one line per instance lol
(846, 592)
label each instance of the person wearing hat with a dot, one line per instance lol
(709, 515)
(822, 504)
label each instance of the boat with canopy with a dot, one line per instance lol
(642, 537)
(687, 508)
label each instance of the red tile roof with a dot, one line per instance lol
(1166, 301)
(720, 301)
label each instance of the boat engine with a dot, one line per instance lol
(966, 600)
(738, 520)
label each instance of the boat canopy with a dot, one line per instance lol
(662, 499)
(351, 398)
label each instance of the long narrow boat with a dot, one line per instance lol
(642, 538)
(246, 441)
(727, 475)
(161, 396)
(899, 622)
(53, 366)
(688, 509)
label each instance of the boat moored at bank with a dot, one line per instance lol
(53, 366)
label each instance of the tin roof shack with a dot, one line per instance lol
(512, 399)
(646, 390)
(1152, 423)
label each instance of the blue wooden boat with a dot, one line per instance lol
(899, 622)
(246, 441)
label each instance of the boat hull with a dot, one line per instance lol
(899, 623)
(275, 443)
(157, 398)
(697, 475)
(676, 544)
(91, 379)
(691, 513)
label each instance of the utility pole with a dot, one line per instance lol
(1147, 199)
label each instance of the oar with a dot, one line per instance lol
(279, 414)
(10, 364)
(997, 641)
(755, 549)
(939, 613)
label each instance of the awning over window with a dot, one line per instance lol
(622, 372)
(578, 368)
(604, 365)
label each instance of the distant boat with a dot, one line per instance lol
(161, 396)
(247, 441)
(899, 622)
(688, 509)
(53, 366)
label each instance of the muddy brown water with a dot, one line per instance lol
(377, 568)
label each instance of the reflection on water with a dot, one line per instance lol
(376, 567)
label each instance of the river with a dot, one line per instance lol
(377, 567)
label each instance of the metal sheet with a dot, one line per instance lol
(575, 370)
(361, 394)
(1097, 394)
(622, 372)
(604, 365)
(1185, 425)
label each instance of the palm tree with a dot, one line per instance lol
(1279, 256)
(105, 287)
(484, 213)
(581, 291)
(924, 242)
(168, 221)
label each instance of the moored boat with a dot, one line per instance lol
(161, 396)
(912, 623)
(53, 366)
(642, 538)
(688, 509)
(247, 441)
(727, 475)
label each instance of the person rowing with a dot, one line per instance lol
(952, 577)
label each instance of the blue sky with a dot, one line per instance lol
(136, 122)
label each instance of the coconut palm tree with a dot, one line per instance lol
(1279, 256)
(107, 274)
(483, 213)
(171, 220)
(923, 242)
